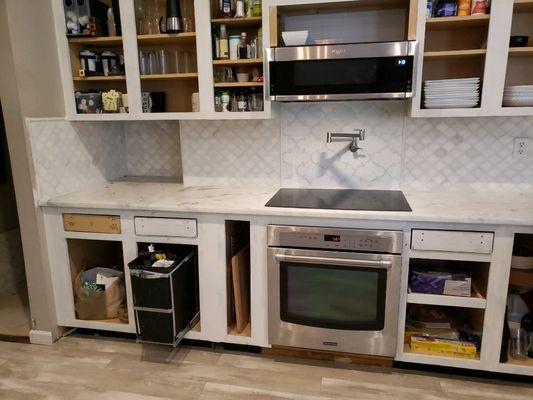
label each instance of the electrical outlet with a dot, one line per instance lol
(521, 148)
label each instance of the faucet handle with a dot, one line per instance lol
(360, 133)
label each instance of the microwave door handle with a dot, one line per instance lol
(338, 261)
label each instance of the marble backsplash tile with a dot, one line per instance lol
(69, 156)
(153, 148)
(473, 154)
(231, 153)
(308, 161)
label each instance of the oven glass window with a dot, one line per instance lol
(334, 297)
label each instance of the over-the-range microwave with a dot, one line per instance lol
(357, 71)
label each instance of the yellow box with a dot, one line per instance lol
(444, 347)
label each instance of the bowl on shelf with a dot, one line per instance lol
(295, 38)
(518, 41)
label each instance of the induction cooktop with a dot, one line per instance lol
(341, 199)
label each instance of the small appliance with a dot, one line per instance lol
(341, 71)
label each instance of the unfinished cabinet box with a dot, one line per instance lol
(165, 299)
(95, 302)
(238, 277)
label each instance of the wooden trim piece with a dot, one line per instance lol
(180, 75)
(164, 38)
(359, 359)
(521, 51)
(273, 21)
(455, 53)
(92, 223)
(110, 78)
(238, 84)
(412, 20)
(248, 21)
(520, 277)
(458, 21)
(244, 61)
(96, 41)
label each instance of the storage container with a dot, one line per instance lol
(165, 299)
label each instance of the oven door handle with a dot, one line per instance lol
(338, 261)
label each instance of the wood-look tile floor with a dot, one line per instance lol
(83, 368)
(15, 311)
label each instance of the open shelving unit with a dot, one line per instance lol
(235, 26)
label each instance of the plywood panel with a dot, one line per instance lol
(92, 223)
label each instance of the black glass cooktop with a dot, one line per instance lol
(340, 199)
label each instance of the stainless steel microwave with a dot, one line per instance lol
(341, 71)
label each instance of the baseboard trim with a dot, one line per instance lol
(41, 337)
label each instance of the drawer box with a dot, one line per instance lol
(177, 227)
(92, 223)
(452, 241)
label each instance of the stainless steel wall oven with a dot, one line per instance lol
(335, 289)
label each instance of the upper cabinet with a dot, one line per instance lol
(466, 66)
(195, 59)
(164, 60)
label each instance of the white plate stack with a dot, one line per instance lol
(452, 93)
(518, 96)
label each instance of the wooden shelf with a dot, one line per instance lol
(248, 21)
(96, 41)
(165, 38)
(238, 84)
(521, 277)
(457, 22)
(449, 301)
(523, 6)
(163, 77)
(247, 61)
(112, 78)
(521, 51)
(455, 53)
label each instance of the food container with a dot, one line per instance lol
(90, 63)
(234, 41)
(295, 38)
(518, 41)
(435, 282)
(243, 77)
(89, 102)
(109, 60)
(444, 347)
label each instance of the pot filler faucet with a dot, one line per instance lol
(359, 134)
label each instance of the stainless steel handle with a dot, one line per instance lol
(147, 275)
(339, 261)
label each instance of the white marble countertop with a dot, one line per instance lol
(474, 208)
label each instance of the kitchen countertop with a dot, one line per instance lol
(474, 208)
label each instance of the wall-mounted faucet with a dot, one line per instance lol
(359, 134)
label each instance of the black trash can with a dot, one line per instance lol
(166, 300)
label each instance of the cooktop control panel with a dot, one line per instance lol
(335, 239)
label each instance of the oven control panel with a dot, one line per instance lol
(336, 239)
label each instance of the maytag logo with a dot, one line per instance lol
(334, 344)
(338, 52)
